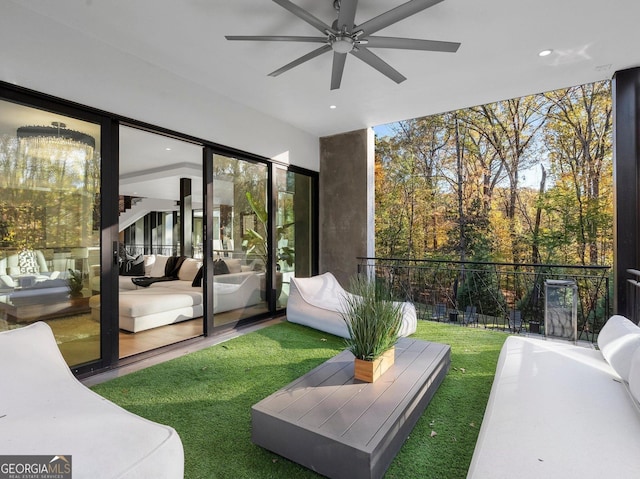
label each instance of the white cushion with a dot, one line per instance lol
(142, 302)
(7, 281)
(233, 265)
(105, 441)
(552, 406)
(149, 260)
(157, 270)
(618, 341)
(318, 302)
(634, 376)
(189, 269)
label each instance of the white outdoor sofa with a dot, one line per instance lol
(45, 410)
(317, 302)
(560, 410)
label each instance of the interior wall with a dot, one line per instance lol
(52, 58)
(346, 202)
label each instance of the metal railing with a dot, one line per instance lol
(493, 295)
(163, 249)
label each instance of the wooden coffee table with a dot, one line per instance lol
(344, 428)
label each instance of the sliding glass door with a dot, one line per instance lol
(240, 244)
(160, 237)
(50, 226)
(294, 229)
(88, 205)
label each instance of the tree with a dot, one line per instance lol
(511, 127)
(450, 185)
(580, 145)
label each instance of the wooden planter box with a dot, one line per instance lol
(369, 371)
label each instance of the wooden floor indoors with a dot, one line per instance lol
(136, 343)
(143, 341)
(78, 335)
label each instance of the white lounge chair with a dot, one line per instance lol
(317, 302)
(45, 410)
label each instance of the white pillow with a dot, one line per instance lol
(157, 270)
(149, 260)
(6, 281)
(233, 265)
(188, 269)
(27, 262)
(618, 341)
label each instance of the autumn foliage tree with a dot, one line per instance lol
(455, 185)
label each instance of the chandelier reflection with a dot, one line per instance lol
(55, 143)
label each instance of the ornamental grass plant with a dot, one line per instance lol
(373, 319)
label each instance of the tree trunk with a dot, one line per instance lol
(535, 247)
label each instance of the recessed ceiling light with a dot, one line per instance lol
(545, 53)
(168, 149)
(333, 107)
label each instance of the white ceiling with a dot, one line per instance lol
(151, 165)
(497, 60)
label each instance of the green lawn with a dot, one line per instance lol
(207, 397)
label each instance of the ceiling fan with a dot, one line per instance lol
(343, 37)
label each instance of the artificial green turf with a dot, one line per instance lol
(207, 397)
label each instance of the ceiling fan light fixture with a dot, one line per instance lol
(342, 44)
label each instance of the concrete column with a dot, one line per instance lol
(346, 202)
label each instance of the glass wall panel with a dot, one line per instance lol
(239, 238)
(50, 226)
(294, 253)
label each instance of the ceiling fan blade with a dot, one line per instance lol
(277, 38)
(339, 60)
(378, 63)
(412, 44)
(395, 15)
(301, 60)
(304, 15)
(347, 14)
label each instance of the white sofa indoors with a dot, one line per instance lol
(168, 302)
(317, 302)
(25, 275)
(26, 262)
(559, 410)
(45, 410)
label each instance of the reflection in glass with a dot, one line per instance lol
(239, 239)
(50, 226)
(294, 230)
